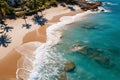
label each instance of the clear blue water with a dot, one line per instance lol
(105, 36)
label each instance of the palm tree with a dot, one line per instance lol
(2, 9)
(5, 9)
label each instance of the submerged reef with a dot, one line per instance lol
(93, 53)
(69, 67)
(89, 26)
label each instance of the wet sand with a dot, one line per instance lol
(8, 66)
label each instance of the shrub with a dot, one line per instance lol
(20, 14)
(30, 12)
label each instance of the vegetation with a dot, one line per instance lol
(27, 7)
(5, 9)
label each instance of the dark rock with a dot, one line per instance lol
(94, 55)
(89, 27)
(104, 61)
(100, 50)
(97, 55)
(83, 51)
(69, 66)
(63, 76)
(102, 10)
(90, 6)
(63, 5)
(77, 47)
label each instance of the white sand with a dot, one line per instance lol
(18, 32)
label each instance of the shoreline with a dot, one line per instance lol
(16, 56)
(52, 38)
(42, 29)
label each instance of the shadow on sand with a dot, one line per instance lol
(6, 28)
(5, 40)
(26, 25)
(40, 20)
(71, 8)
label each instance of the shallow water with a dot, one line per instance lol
(103, 35)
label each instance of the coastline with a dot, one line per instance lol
(15, 56)
(31, 58)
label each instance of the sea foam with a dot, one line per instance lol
(41, 61)
(109, 3)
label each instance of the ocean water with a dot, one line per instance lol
(103, 34)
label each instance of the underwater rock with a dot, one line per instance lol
(100, 50)
(89, 27)
(102, 10)
(104, 61)
(89, 51)
(96, 54)
(86, 50)
(77, 47)
(69, 66)
(83, 51)
(63, 76)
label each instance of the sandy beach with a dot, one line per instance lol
(9, 57)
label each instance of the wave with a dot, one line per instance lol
(104, 9)
(43, 64)
(41, 61)
(109, 3)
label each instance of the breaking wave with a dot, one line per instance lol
(104, 9)
(109, 3)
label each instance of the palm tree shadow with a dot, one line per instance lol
(28, 26)
(6, 28)
(71, 8)
(40, 20)
(5, 40)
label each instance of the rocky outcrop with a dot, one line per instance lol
(90, 6)
(96, 54)
(63, 76)
(69, 66)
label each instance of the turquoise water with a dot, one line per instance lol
(104, 36)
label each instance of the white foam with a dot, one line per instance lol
(53, 35)
(42, 61)
(102, 8)
(109, 3)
